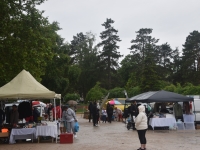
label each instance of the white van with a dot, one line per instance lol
(196, 107)
(196, 110)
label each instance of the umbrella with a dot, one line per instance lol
(38, 103)
(72, 102)
(114, 102)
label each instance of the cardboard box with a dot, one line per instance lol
(4, 134)
(66, 138)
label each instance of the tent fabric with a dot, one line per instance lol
(25, 86)
(160, 96)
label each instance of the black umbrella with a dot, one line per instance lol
(160, 96)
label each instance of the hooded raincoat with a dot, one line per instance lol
(141, 119)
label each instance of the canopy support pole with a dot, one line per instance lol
(54, 108)
(60, 110)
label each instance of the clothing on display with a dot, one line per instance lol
(24, 110)
(178, 112)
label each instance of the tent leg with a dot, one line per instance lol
(55, 108)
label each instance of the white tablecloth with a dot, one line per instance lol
(47, 131)
(162, 122)
(188, 118)
(23, 133)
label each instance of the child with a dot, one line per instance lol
(104, 115)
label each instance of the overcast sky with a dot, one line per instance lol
(171, 20)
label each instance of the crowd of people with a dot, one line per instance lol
(96, 114)
(110, 113)
(106, 114)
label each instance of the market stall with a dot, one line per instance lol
(22, 133)
(25, 86)
(160, 118)
(47, 130)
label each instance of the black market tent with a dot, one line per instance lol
(159, 96)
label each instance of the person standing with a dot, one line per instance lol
(118, 113)
(90, 107)
(109, 110)
(70, 120)
(134, 109)
(64, 124)
(94, 114)
(36, 114)
(14, 116)
(49, 111)
(141, 126)
(98, 114)
(2, 117)
(104, 115)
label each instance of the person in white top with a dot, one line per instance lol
(104, 115)
(118, 113)
(70, 118)
(141, 126)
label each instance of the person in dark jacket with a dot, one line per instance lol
(109, 110)
(36, 114)
(14, 116)
(94, 114)
(134, 109)
(134, 112)
(90, 107)
(2, 117)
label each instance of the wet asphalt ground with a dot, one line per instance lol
(115, 136)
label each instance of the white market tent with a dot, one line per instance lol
(25, 86)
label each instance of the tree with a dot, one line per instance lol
(191, 58)
(26, 39)
(76, 47)
(166, 62)
(130, 70)
(96, 93)
(71, 96)
(109, 55)
(146, 50)
(117, 92)
(85, 56)
(149, 77)
(57, 75)
(143, 39)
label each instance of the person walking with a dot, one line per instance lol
(94, 114)
(70, 120)
(141, 126)
(109, 110)
(90, 107)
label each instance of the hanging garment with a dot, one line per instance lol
(24, 110)
(178, 112)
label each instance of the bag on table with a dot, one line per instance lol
(76, 127)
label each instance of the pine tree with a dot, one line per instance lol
(109, 55)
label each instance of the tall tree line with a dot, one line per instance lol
(29, 41)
